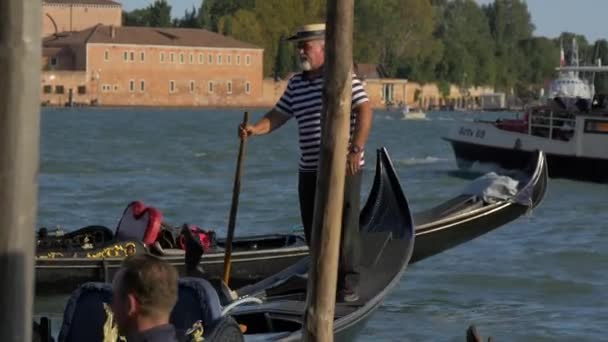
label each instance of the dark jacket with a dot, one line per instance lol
(163, 333)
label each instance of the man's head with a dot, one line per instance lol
(144, 293)
(310, 43)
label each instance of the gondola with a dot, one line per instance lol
(451, 223)
(273, 309)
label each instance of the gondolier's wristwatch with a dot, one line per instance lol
(355, 149)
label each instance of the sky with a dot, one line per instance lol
(551, 17)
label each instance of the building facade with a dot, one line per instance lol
(142, 66)
(69, 15)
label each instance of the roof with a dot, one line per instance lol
(53, 51)
(82, 2)
(102, 34)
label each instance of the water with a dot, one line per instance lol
(540, 278)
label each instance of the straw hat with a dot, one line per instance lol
(308, 32)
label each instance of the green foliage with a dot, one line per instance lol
(212, 11)
(283, 60)
(469, 47)
(138, 17)
(157, 14)
(444, 41)
(190, 19)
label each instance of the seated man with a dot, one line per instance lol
(144, 293)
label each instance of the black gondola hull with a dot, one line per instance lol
(64, 275)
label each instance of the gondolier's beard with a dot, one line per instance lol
(305, 64)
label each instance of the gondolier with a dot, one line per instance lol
(303, 100)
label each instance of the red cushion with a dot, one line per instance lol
(139, 222)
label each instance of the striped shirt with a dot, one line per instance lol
(303, 100)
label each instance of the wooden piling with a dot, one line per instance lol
(337, 94)
(20, 55)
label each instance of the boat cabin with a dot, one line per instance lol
(557, 124)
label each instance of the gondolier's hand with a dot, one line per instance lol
(353, 160)
(246, 131)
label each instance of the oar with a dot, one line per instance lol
(235, 203)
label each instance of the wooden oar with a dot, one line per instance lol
(235, 203)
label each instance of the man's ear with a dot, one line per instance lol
(133, 304)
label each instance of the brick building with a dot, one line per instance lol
(75, 15)
(121, 66)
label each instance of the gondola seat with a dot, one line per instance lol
(85, 314)
(140, 223)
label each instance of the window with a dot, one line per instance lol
(172, 86)
(211, 86)
(59, 89)
(115, 88)
(132, 56)
(162, 57)
(47, 89)
(142, 86)
(192, 86)
(596, 126)
(125, 56)
(247, 60)
(82, 90)
(131, 85)
(247, 87)
(142, 56)
(106, 55)
(238, 59)
(201, 58)
(54, 61)
(191, 58)
(104, 87)
(172, 57)
(210, 59)
(229, 59)
(219, 59)
(229, 87)
(181, 58)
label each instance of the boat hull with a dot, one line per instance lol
(435, 233)
(560, 166)
(65, 275)
(62, 276)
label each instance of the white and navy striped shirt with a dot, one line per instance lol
(303, 100)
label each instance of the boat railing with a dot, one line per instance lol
(548, 123)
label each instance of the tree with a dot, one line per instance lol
(465, 33)
(190, 19)
(157, 14)
(283, 60)
(394, 33)
(160, 14)
(138, 17)
(510, 23)
(212, 11)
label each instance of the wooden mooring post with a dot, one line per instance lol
(337, 94)
(20, 55)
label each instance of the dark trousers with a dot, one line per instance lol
(350, 244)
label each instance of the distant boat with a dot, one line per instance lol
(569, 90)
(407, 114)
(571, 128)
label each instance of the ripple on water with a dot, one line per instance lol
(540, 278)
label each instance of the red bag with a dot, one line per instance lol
(205, 237)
